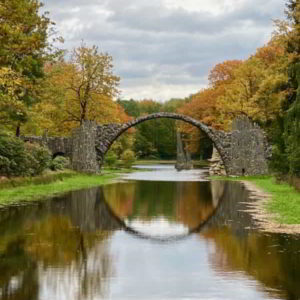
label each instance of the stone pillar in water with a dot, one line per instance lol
(216, 164)
(183, 161)
(84, 158)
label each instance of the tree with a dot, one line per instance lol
(257, 87)
(202, 106)
(287, 141)
(90, 83)
(131, 107)
(25, 46)
(71, 96)
(223, 72)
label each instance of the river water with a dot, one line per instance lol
(158, 234)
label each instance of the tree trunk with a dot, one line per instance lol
(18, 130)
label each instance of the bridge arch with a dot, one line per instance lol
(108, 134)
(244, 151)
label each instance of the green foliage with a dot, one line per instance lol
(292, 126)
(291, 131)
(13, 158)
(128, 158)
(131, 107)
(285, 199)
(19, 159)
(38, 159)
(111, 158)
(59, 163)
(41, 191)
(143, 146)
(156, 137)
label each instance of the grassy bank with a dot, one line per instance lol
(64, 182)
(284, 201)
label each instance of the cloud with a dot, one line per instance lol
(165, 48)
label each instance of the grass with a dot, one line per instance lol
(33, 191)
(285, 200)
(46, 177)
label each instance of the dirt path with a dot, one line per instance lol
(265, 220)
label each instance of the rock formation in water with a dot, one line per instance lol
(183, 161)
(216, 164)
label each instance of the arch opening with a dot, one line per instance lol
(56, 154)
(111, 132)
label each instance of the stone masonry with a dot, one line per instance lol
(249, 151)
(84, 157)
(243, 151)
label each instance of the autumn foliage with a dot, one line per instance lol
(44, 90)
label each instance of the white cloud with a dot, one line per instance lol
(165, 48)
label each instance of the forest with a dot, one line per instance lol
(46, 90)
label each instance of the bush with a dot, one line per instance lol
(128, 158)
(13, 157)
(20, 159)
(39, 158)
(111, 159)
(59, 163)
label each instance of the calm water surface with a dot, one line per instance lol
(158, 234)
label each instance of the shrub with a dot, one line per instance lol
(20, 159)
(59, 163)
(13, 157)
(38, 158)
(111, 159)
(128, 158)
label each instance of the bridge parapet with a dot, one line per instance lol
(57, 145)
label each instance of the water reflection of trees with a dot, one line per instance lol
(187, 203)
(63, 248)
(272, 259)
(19, 274)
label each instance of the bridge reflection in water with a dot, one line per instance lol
(65, 248)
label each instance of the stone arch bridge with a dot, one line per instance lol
(244, 150)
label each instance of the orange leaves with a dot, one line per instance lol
(223, 73)
(270, 53)
(203, 107)
(69, 97)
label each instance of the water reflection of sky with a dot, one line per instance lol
(73, 248)
(166, 173)
(179, 270)
(141, 269)
(158, 227)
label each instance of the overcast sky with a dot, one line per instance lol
(164, 49)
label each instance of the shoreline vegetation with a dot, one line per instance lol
(276, 205)
(17, 191)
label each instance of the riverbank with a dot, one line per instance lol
(277, 205)
(49, 185)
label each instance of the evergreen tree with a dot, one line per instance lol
(292, 115)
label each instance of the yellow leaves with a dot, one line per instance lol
(202, 107)
(11, 107)
(270, 96)
(10, 82)
(70, 96)
(257, 89)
